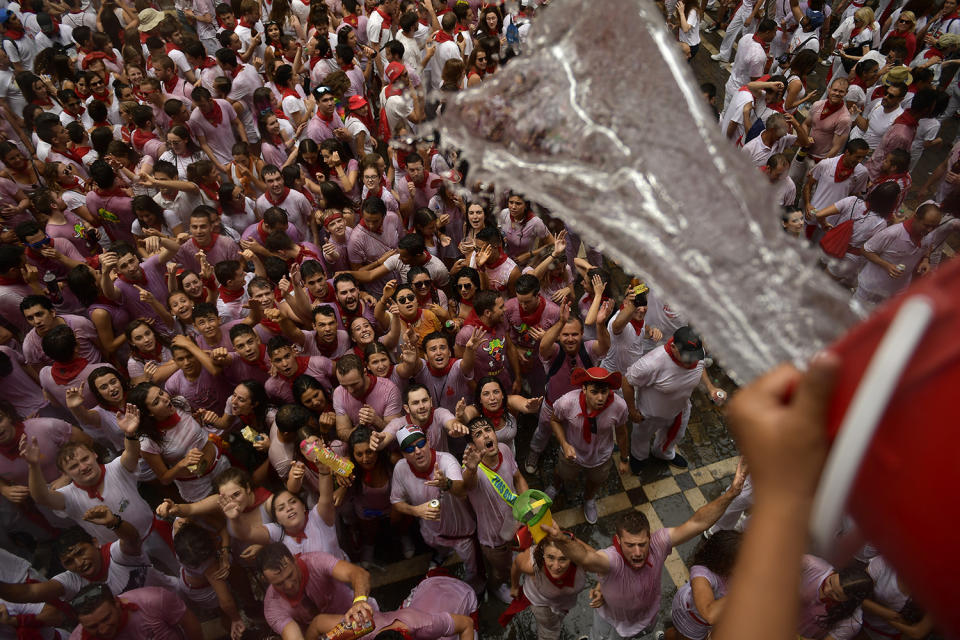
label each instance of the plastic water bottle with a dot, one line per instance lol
(322, 455)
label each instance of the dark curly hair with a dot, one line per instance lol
(857, 586)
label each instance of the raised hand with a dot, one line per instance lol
(129, 420)
(220, 355)
(100, 514)
(598, 285)
(605, 310)
(30, 449)
(408, 353)
(461, 410)
(471, 457)
(457, 429)
(389, 289)
(438, 479)
(532, 405)
(74, 396)
(476, 338)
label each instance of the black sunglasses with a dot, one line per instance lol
(406, 299)
(93, 594)
(464, 285)
(423, 284)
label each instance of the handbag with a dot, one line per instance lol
(836, 240)
(855, 50)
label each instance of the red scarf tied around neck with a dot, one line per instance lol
(676, 360)
(216, 116)
(64, 372)
(590, 417)
(533, 319)
(125, 609)
(93, 490)
(842, 172)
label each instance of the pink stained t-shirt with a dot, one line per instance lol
(420, 625)
(632, 596)
(219, 137)
(319, 367)
(155, 618)
(520, 331)
(495, 523)
(456, 521)
(663, 387)
(299, 211)
(491, 353)
(436, 433)
(814, 571)
(51, 434)
(520, 238)
(19, 387)
(310, 347)
(559, 382)
(894, 245)
(206, 392)
(383, 396)
(446, 389)
(365, 246)
(119, 492)
(58, 392)
(222, 248)
(83, 329)
(600, 448)
(323, 594)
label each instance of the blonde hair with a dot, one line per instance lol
(864, 14)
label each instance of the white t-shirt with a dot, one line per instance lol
(691, 37)
(119, 493)
(759, 153)
(878, 123)
(734, 113)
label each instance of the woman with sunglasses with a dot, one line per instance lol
(417, 323)
(428, 296)
(903, 28)
(62, 180)
(181, 150)
(174, 444)
(493, 403)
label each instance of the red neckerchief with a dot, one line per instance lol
(416, 319)
(496, 262)
(11, 450)
(74, 183)
(93, 490)
(140, 138)
(474, 320)
(304, 254)
(302, 363)
(260, 495)
(442, 36)
(566, 580)
(352, 19)
(76, 114)
(533, 319)
(347, 67)
(170, 85)
(17, 279)
(301, 535)
(14, 34)
(638, 324)
(106, 97)
(426, 424)
(425, 475)
(387, 19)
(229, 295)
(304, 579)
(104, 564)
(276, 201)
(908, 225)
(242, 22)
(436, 373)
(155, 355)
(328, 119)
(125, 609)
(64, 372)
(289, 93)
(373, 383)
(236, 70)
(496, 417)
(907, 118)
(842, 172)
(211, 191)
(208, 246)
(170, 422)
(587, 431)
(858, 82)
(216, 116)
(829, 109)
(261, 360)
(270, 326)
(208, 63)
(626, 563)
(674, 358)
(169, 46)
(248, 419)
(765, 45)
(390, 91)
(125, 132)
(260, 230)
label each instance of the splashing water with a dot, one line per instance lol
(602, 122)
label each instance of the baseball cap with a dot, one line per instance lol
(409, 434)
(816, 18)
(45, 23)
(5, 15)
(688, 342)
(395, 70)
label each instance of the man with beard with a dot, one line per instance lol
(528, 316)
(630, 569)
(150, 612)
(495, 523)
(325, 339)
(495, 349)
(279, 195)
(438, 423)
(288, 366)
(363, 398)
(424, 476)
(350, 302)
(373, 240)
(446, 378)
(585, 422)
(249, 358)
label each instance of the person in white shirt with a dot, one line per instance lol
(872, 127)
(775, 138)
(745, 20)
(752, 59)
(446, 47)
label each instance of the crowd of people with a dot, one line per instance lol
(263, 335)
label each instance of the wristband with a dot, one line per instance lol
(359, 599)
(116, 524)
(131, 437)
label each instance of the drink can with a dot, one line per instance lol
(347, 631)
(434, 504)
(720, 397)
(901, 268)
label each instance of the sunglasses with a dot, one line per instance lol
(419, 444)
(466, 286)
(91, 595)
(39, 244)
(406, 299)
(423, 284)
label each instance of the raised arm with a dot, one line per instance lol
(579, 552)
(708, 514)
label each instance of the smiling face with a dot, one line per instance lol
(554, 561)
(348, 295)
(466, 288)
(193, 286)
(186, 362)
(361, 331)
(181, 306)
(264, 296)
(571, 335)
(419, 404)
